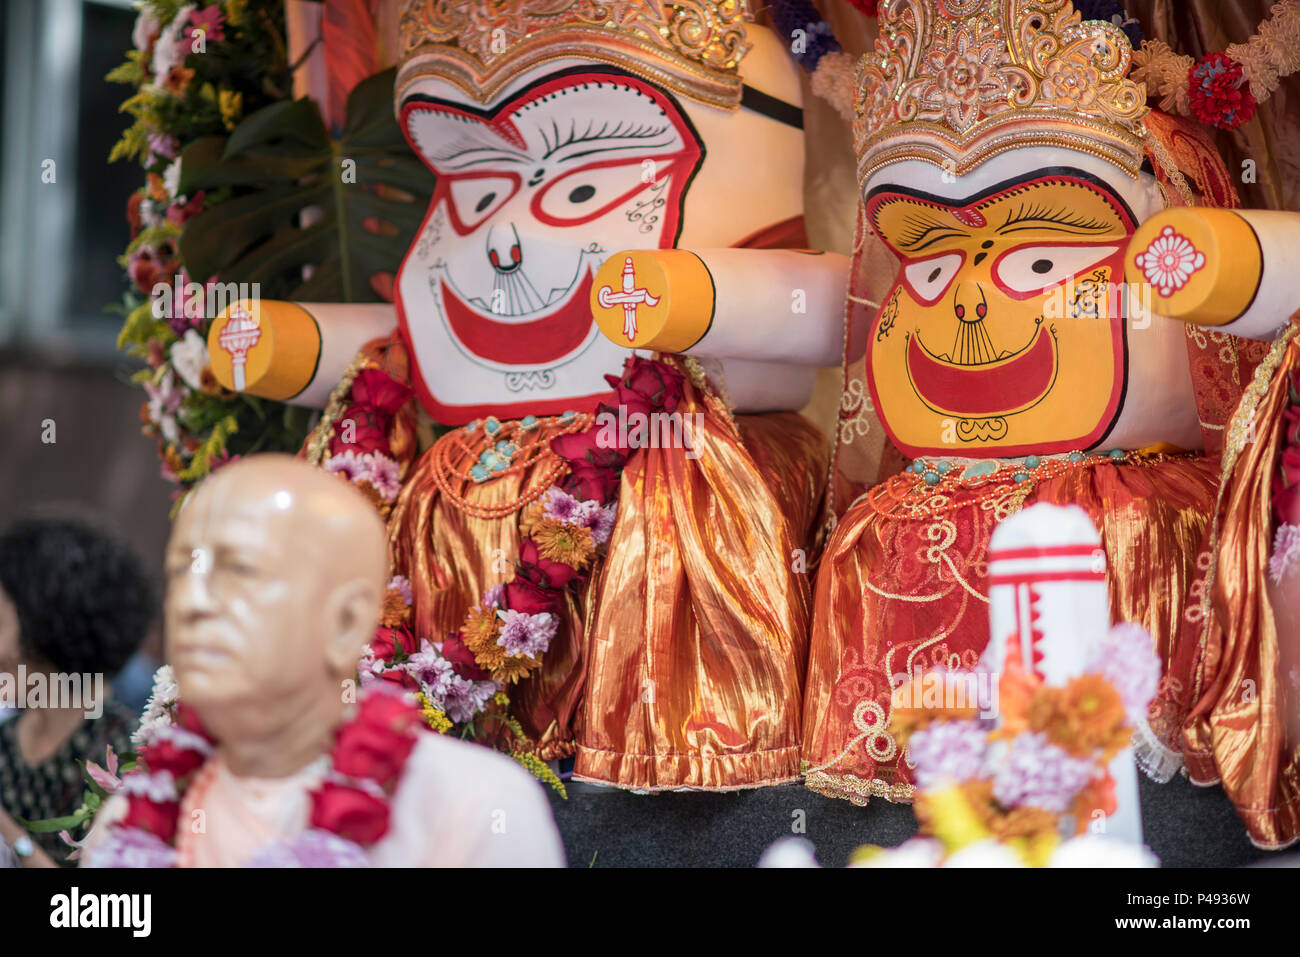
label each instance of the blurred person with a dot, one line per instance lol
(75, 604)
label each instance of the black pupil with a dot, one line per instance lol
(934, 275)
(1042, 266)
(485, 202)
(581, 194)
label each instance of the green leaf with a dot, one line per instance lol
(281, 162)
(53, 825)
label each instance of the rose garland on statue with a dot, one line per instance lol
(1225, 89)
(350, 809)
(1012, 784)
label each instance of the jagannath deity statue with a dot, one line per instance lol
(1007, 158)
(630, 568)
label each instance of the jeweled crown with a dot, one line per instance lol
(693, 47)
(954, 82)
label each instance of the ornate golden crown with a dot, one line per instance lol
(691, 46)
(953, 82)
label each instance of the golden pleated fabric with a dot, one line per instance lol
(680, 663)
(697, 639)
(1229, 679)
(896, 593)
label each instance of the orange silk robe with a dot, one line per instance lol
(680, 662)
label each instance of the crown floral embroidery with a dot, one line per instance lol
(691, 46)
(953, 82)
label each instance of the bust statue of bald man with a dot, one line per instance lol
(275, 576)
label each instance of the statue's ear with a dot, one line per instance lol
(350, 615)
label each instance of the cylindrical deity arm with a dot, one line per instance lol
(767, 305)
(292, 351)
(1237, 270)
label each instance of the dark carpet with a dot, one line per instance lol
(1185, 825)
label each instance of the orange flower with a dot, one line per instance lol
(1098, 795)
(919, 702)
(560, 542)
(530, 517)
(480, 633)
(178, 80)
(395, 611)
(1085, 716)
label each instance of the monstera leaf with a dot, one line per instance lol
(363, 196)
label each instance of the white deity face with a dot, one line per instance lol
(533, 194)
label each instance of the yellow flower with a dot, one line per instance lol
(235, 12)
(540, 770)
(435, 718)
(231, 104)
(560, 542)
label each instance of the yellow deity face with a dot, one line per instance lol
(1004, 333)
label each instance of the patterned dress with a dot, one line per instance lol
(54, 787)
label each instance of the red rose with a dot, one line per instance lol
(587, 481)
(1290, 465)
(462, 659)
(367, 749)
(1291, 426)
(185, 717)
(541, 570)
(401, 678)
(164, 755)
(651, 380)
(390, 711)
(350, 813)
(384, 645)
(1286, 505)
(157, 819)
(529, 598)
(367, 431)
(378, 391)
(178, 213)
(146, 271)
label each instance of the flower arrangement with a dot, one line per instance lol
(1019, 784)
(214, 126)
(196, 70)
(564, 530)
(1224, 89)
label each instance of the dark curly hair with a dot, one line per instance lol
(83, 599)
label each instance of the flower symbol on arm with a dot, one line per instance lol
(1170, 261)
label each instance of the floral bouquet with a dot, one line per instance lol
(1010, 789)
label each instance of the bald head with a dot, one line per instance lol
(275, 574)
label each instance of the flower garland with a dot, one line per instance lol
(1286, 490)
(350, 809)
(1225, 89)
(1046, 758)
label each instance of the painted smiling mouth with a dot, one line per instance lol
(1010, 383)
(530, 343)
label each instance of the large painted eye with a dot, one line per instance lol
(930, 278)
(592, 191)
(1035, 268)
(477, 198)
